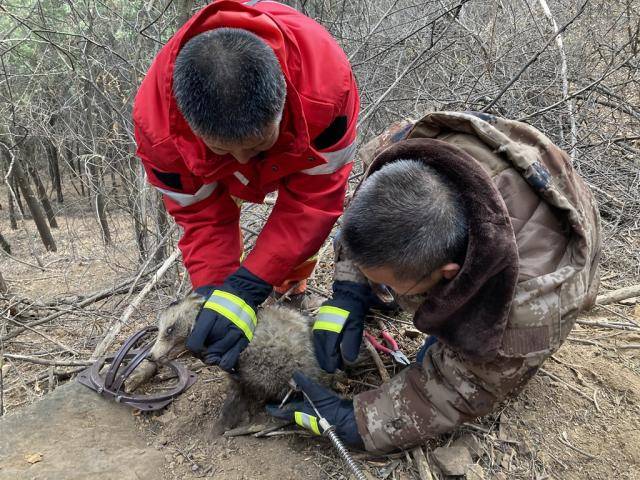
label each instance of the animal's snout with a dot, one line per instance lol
(159, 359)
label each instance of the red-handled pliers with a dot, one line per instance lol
(392, 348)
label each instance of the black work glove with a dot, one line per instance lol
(224, 327)
(337, 331)
(337, 411)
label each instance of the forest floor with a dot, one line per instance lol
(579, 418)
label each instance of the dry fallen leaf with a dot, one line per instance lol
(33, 458)
(636, 312)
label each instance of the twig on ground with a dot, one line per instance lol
(618, 295)
(44, 361)
(124, 319)
(319, 291)
(565, 441)
(353, 381)
(87, 301)
(61, 374)
(377, 315)
(422, 465)
(43, 335)
(587, 342)
(618, 314)
(568, 385)
(378, 361)
(272, 428)
(475, 426)
(282, 433)
(615, 326)
(560, 462)
(8, 255)
(52, 379)
(249, 429)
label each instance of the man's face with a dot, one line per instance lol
(385, 276)
(244, 151)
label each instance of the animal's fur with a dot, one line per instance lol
(282, 344)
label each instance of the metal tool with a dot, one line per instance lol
(292, 390)
(392, 348)
(330, 431)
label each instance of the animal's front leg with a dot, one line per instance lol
(143, 372)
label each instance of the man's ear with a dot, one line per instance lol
(449, 270)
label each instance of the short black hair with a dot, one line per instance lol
(407, 217)
(228, 84)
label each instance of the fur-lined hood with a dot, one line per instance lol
(469, 312)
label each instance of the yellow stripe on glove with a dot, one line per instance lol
(235, 309)
(331, 319)
(307, 421)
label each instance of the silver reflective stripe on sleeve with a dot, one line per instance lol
(241, 178)
(335, 161)
(185, 199)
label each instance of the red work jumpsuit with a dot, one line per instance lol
(308, 166)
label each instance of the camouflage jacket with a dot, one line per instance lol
(531, 266)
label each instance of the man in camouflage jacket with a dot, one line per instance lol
(495, 313)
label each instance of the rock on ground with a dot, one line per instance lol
(453, 460)
(75, 434)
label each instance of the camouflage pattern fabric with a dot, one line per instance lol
(557, 234)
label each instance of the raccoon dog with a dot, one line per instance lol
(282, 343)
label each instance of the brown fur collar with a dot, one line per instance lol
(470, 312)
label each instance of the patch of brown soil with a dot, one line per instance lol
(567, 436)
(547, 432)
(183, 433)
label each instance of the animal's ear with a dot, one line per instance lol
(195, 297)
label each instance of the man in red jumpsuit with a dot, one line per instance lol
(245, 99)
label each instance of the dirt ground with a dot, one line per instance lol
(579, 418)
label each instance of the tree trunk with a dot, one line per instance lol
(134, 200)
(4, 288)
(54, 166)
(68, 155)
(79, 171)
(16, 190)
(42, 196)
(11, 185)
(34, 207)
(93, 172)
(12, 211)
(4, 244)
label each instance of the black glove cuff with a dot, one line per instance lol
(347, 428)
(353, 292)
(205, 291)
(245, 284)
